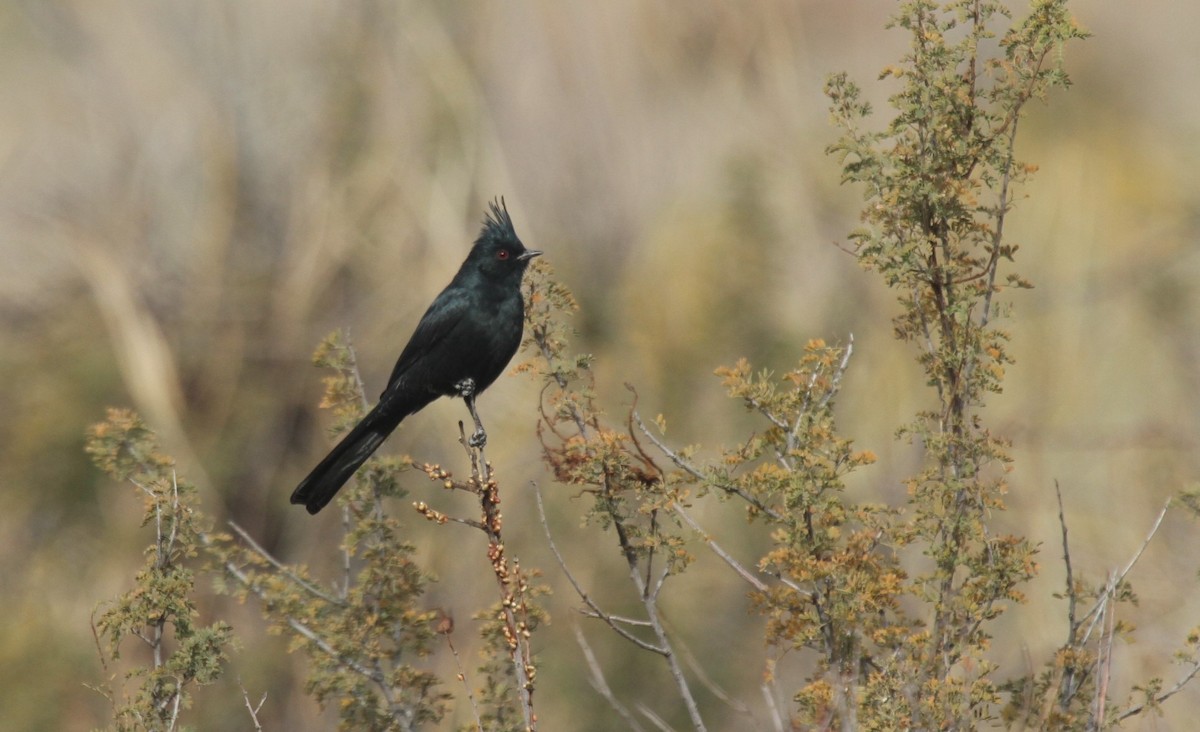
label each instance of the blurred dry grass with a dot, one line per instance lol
(193, 194)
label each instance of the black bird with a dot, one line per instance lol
(464, 340)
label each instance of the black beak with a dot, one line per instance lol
(529, 254)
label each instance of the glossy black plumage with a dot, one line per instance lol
(462, 343)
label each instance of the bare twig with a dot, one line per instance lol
(252, 708)
(1072, 599)
(237, 573)
(835, 385)
(662, 579)
(1146, 542)
(699, 475)
(283, 568)
(1065, 674)
(734, 564)
(466, 522)
(586, 612)
(650, 603)
(610, 620)
(601, 685)
(1104, 662)
(1183, 681)
(462, 676)
(773, 708)
(771, 417)
(653, 531)
(176, 698)
(656, 720)
(1105, 616)
(690, 659)
(96, 638)
(1115, 580)
(791, 584)
(174, 512)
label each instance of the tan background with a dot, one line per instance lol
(193, 194)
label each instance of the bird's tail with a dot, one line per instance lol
(325, 480)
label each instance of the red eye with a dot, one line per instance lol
(502, 255)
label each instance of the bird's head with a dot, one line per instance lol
(498, 251)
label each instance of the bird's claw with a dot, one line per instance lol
(466, 387)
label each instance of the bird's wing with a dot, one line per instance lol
(448, 311)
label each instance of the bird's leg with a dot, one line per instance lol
(479, 437)
(466, 388)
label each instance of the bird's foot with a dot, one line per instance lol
(466, 387)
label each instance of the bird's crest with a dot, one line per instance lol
(497, 224)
